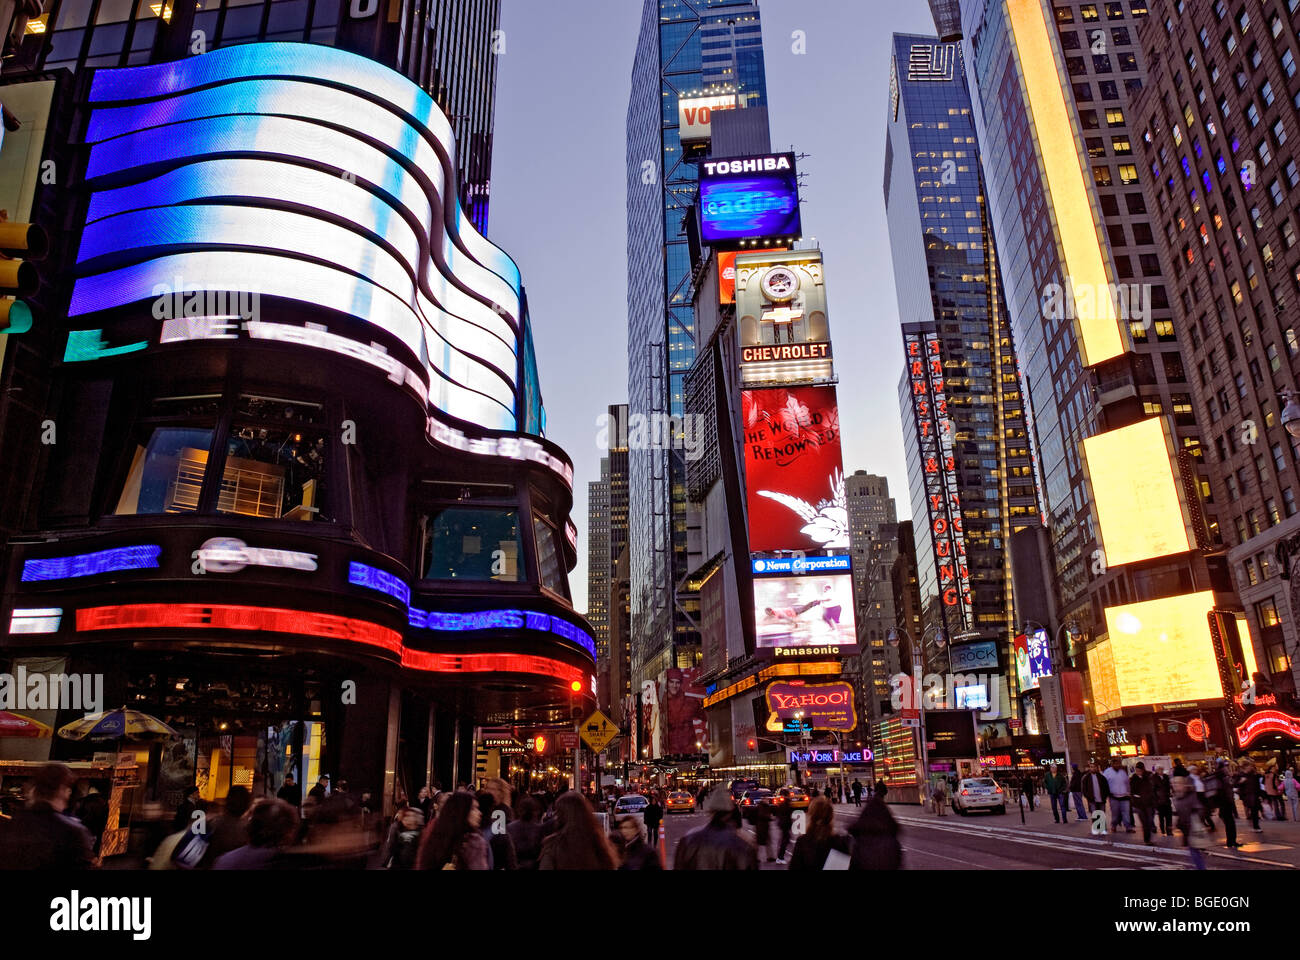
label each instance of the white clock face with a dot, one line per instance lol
(780, 284)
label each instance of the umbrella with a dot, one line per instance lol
(119, 724)
(17, 725)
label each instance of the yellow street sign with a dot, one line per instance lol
(598, 731)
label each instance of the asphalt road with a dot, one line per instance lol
(985, 843)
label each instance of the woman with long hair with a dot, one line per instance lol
(875, 838)
(453, 841)
(815, 845)
(578, 843)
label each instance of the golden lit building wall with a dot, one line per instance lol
(1140, 512)
(1163, 651)
(1082, 256)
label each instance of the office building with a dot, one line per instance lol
(873, 546)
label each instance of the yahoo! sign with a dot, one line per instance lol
(826, 706)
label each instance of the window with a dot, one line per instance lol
(1252, 114)
(1101, 176)
(167, 471)
(1136, 202)
(1279, 133)
(1279, 460)
(548, 556)
(275, 463)
(472, 543)
(1280, 662)
(1121, 145)
(1266, 93)
(1088, 12)
(1266, 613)
(1288, 62)
(1288, 502)
(1252, 575)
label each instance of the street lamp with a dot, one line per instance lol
(1290, 413)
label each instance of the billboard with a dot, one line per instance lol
(825, 706)
(810, 611)
(1139, 504)
(794, 474)
(749, 198)
(695, 116)
(1033, 659)
(727, 271)
(952, 733)
(970, 657)
(682, 727)
(1163, 651)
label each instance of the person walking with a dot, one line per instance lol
(718, 845)
(857, 792)
(1121, 808)
(763, 829)
(1291, 792)
(403, 841)
(525, 833)
(1096, 788)
(1164, 801)
(229, 831)
(812, 849)
(40, 836)
(1247, 784)
(1218, 796)
(654, 815)
(784, 820)
(453, 841)
(1273, 791)
(882, 789)
(939, 794)
(874, 836)
(577, 843)
(495, 824)
(637, 854)
(1056, 786)
(319, 791)
(1188, 810)
(1143, 796)
(1076, 790)
(290, 792)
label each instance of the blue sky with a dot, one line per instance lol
(558, 204)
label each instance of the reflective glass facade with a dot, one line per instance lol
(684, 48)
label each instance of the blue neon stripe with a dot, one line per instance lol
(90, 564)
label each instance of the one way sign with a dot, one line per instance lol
(598, 730)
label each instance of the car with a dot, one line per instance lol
(799, 799)
(739, 787)
(679, 801)
(979, 793)
(752, 798)
(630, 805)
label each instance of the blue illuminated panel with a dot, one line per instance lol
(502, 620)
(797, 565)
(90, 564)
(364, 575)
(749, 198)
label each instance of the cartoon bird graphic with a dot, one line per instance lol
(827, 523)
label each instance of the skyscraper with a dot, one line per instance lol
(873, 545)
(967, 445)
(598, 565)
(685, 47)
(1119, 453)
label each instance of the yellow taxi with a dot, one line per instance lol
(679, 801)
(799, 798)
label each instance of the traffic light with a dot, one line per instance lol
(539, 744)
(751, 744)
(20, 244)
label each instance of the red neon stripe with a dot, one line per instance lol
(1267, 721)
(192, 616)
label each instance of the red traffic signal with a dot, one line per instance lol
(576, 686)
(752, 744)
(539, 744)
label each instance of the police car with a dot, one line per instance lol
(979, 793)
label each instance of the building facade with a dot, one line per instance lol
(873, 545)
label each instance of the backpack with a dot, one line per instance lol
(191, 849)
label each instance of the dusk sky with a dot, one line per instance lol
(558, 205)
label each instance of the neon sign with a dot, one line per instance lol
(797, 565)
(36, 620)
(934, 433)
(1198, 729)
(90, 564)
(228, 555)
(827, 706)
(816, 757)
(502, 620)
(1266, 722)
(364, 575)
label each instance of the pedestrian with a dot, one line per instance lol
(882, 789)
(1273, 790)
(637, 854)
(718, 845)
(525, 833)
(1142, 794)
(1199, 775)
(403, 840)
(1218, 795)
(577, 843)
(874, 844)
(1076, 790)
(654, 815)
(290, 792)
(1096, 788)
(813, 848)
(271, 825)
(939, 794)
(1291, 791)
(185, 811)
(762, 818)
(1027, 789)
(784, 820)
(1247, 783)
(495, 817)
(228, 831)
(1056, 787)
(1121, 808)
(1188, 809)
(40, 836)
(1164, 801)
(857, 792)
(453, 841)
(322, 787)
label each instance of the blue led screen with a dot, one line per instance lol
(749, 198)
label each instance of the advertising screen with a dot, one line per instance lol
(972, 698)
(810, 611)
(1033, 659)
(683, 728)
(952, 732)
(1163, 651)
(747, 198)
(727, 271)
(695, 116)
(972, 657)
(825, 706)
(794, 475)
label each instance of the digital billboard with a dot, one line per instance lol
(1163, 651)
(1033, 659)
(971, 657)
(1139, 504)
(695, 116)
(951, 733)
(682, 727)
(727, 271)
(825, 706)
(810, 611)
(749, 198)
(794, 474)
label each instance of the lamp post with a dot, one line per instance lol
(1059, 650)
(917, 668)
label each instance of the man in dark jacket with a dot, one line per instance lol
(784, 820)
(717, 845)
(1055, 785)
(1142, 788)
(317, 792)
(1095, 788)
(40, 836)
(1218, 796)
(1027, 789)
(881, 789)
(762, 818)
(290, 792)
(1076, 791)
(1164, 801)
(654, 815)
(857, 792)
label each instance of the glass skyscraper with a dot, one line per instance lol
(685, 47)
(971, 485)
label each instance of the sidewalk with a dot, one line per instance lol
(1279, 843)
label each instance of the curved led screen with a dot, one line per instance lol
(308, 174)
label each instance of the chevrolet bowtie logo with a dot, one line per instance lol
(783, 315)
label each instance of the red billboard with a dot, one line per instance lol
(794, 474)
